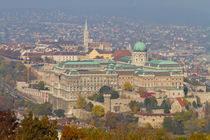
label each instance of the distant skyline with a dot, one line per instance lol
(157, 11)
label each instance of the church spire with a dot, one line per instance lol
(86, 27)
(86, 37)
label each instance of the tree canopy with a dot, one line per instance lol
(59, 113)
(31, 128)
(8, 124)
(97, 111)
(104, 90)
(127, 86)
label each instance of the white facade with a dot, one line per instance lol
(62, 58)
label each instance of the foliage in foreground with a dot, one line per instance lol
(74, 133)
(33, 128)
(30, 128)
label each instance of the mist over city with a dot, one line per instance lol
(104, 69)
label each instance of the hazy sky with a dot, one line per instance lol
(196, 11)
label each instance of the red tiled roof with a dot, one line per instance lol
(121, 53)
(180, 102)
(148, 95)
(204, 74)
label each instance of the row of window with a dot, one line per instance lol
(162, 84)
(163, 79)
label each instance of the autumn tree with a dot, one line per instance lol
(134, 106)
(81, 102)
(8, 124)
(72, 133)
(203, 123)
(127, 86)
(111, 120)
(197, 136)
(97, 111)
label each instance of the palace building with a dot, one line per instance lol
(69, 79)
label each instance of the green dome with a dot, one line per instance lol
(140, 47)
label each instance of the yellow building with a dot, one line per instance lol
(98, 53)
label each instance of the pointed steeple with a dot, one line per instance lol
(86, 38)
(86, 26)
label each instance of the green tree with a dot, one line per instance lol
(114, 94)
(178, 127)
(59, 113)
(106, 90)
(194, 104)
(166, 109)
(134, 106)
(153, 101)
(147, 102)
(149, 109)
(40, 85)
(185, 90)
(198, 101)
(97, 111)
(31, 128)
(89, 107)
(168, 124)
(42, 109)
(166, 106)
(184, 116)
(180, 138)
(191, 126)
